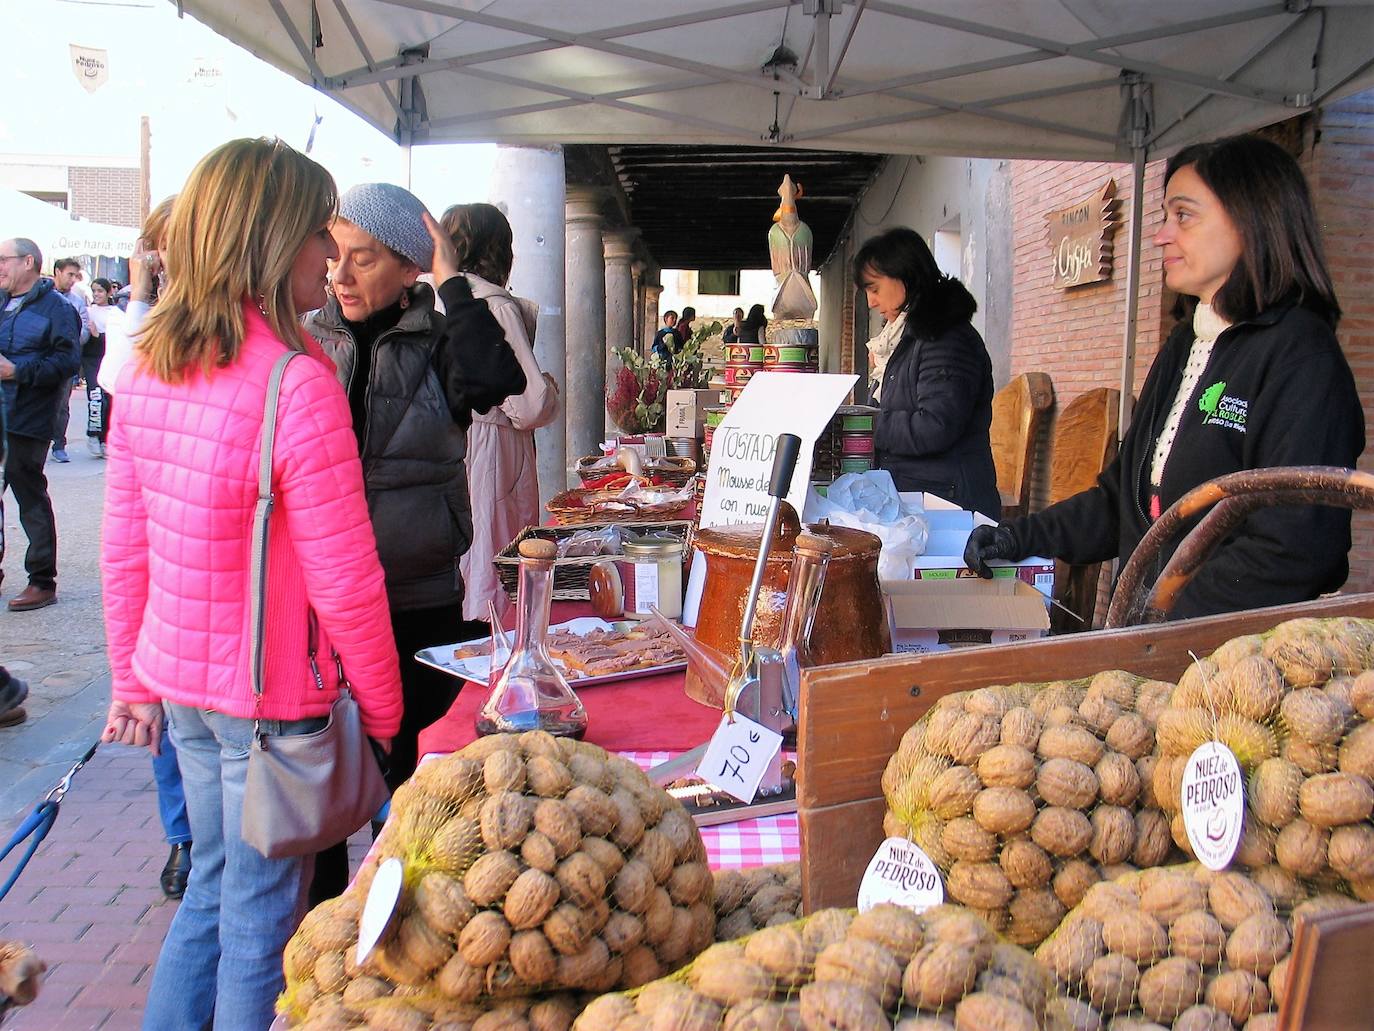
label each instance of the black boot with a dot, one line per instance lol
(177, 871)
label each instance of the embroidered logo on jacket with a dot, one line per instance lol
(1221, 409)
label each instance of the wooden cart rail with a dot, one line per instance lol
(854, 714)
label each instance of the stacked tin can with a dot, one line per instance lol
(741, 362)
(856, 438)
(793, 350)
(845, 446)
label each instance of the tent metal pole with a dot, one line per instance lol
(1139, 118)
(407, 133)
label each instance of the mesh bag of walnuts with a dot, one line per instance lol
(760, 897)
(532, 864)
(1177, 947)
(838, 971)
(1025, 795)
(1294, 705)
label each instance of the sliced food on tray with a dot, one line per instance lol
(585, 649)
(603, 652)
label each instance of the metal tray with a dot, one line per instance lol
(476, 669)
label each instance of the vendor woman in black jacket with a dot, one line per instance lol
(936, 393)
(1253, 378)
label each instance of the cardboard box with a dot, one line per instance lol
(944, 554)
(687, 412)
(932, 615)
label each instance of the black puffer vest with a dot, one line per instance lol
(412, 452)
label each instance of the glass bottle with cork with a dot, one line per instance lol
(531, 693)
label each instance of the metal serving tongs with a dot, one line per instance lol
(755, 687)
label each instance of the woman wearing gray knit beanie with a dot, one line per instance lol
(414, 380)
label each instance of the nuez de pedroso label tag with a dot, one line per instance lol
(1213, 797)
(901, 873)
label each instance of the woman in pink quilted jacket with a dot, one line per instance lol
(247, 246)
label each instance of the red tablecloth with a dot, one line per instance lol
(646, 714)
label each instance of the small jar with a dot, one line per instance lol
(652, 575)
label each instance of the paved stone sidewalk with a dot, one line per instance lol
(89, 901)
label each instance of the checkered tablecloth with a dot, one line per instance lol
(758, 842)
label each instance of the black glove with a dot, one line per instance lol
(987, 542)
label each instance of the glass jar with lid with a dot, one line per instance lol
(652, 575)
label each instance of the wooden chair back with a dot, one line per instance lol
(1084, 443)
(1019, 411)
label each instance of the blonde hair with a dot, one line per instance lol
(154, 229)
(234, 233)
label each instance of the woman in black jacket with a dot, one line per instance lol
(936, 393)
(1252, 378)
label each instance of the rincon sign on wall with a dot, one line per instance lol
(1080, 238)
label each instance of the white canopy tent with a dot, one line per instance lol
(1065, 79)
(59, 235)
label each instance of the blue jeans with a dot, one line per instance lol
(171, 796)
(221, 961)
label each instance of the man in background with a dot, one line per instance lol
(40, 352)
(665, 340)
(65, 273)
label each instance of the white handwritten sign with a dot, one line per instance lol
(737, 756)
(903, 874)
(1213, 797)
(743, 445)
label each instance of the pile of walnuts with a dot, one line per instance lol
(889, 966)
(1294, 706)
(1026, 795)
(532, 864)
(1179, 947)
(760, 897)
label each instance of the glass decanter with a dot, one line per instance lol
(530, 693)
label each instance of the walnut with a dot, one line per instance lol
(484, 939)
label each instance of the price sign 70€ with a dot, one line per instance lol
(737, 757)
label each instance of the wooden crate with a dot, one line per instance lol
(854, 714)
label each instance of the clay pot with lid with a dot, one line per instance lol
(851, 621)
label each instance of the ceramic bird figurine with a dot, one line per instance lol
(789, 248)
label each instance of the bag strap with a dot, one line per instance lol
(262, 517)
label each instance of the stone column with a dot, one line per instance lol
(652, 292)
(620, 301)
(527, 184)
(585, 291)
(637, 270)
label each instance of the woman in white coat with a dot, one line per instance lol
(501, 469)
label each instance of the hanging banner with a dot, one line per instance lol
(206, 72)
(91, 66)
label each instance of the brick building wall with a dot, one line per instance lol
(1340, 167)
(1075, 335)
(108, 195)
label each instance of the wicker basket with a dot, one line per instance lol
(672, 470)
(606, 506)
(570, 574)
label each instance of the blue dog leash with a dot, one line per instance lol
(37, 824)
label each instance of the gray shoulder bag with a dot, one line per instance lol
(305, 792)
